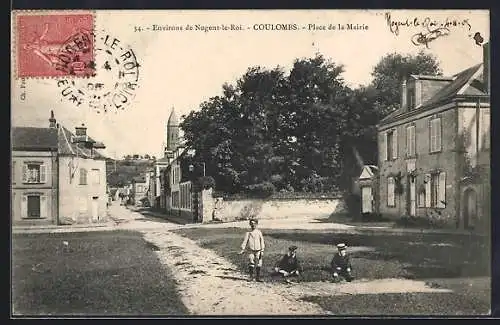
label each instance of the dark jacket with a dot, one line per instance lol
(343, 262)
(288, 263)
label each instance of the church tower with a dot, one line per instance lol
(172, 132)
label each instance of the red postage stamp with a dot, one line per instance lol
(55, 44)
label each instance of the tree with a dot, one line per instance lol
(392, 69)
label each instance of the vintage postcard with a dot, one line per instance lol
(250, 162)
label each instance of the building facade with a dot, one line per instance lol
(34, 195)
(434, 150)
(58, 176)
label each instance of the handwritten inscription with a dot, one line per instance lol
(424, 38)
(430, 28)
(426, 22)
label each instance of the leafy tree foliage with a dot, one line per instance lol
(392, 69)
(296, 131)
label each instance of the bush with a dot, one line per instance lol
(206, 182)
(433, 219)
(261, 190)
(353, 204)
(250, 211)
(372, 217)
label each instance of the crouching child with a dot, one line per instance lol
(289, 265)
(341, 265)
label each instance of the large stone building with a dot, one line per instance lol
(434, 151)
(57, 176)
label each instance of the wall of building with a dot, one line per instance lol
(474, 122)
(46, 190)
(76, 200)
(425, 163)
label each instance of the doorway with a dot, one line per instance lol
(412, 209)
(34, 206)
(470, 208)
(95, 208)
(366, 199)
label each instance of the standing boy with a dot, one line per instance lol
(341, 264)
(254, 244)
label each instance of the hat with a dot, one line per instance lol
(292, 248)
(253, 221)
(341, 246)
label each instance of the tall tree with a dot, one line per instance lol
(392, 69)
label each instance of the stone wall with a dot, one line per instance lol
(232, 210)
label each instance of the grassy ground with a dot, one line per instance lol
(99, 273)
(443, 260)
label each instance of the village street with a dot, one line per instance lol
(152, 266)
(210, 284)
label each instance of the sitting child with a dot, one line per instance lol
(288, 265)
(341, 264)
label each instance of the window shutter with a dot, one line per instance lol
(395, 144)
(408, 141)
(485, 141)
(24, 206)
(43, 173)
(13, 177)
(43, 207)
(438, 134)
(432, 132)
(390, 191)
(413, 141)
(442, 190)
(383, 147)
(428, 191)
(25, 173)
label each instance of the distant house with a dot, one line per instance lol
(140, 188)
(57, 176)
(434, 152)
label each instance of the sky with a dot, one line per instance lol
(182, 68)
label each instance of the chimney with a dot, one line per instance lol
(404, 94)
(486, 67)
(81, 130)
(52, 121)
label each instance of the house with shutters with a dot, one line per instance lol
(57, 176)
(434, 151)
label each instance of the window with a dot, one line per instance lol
(411, 99)
(435, 135)
(438, 190)
(95, 177)
(391, 202)
(410, 141)
(83, 176)
(34, 206)
(34, 173)
(391, 145)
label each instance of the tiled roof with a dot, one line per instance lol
(447, 93)
(32, 138)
